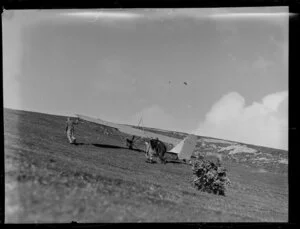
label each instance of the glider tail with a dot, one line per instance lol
(185, 148)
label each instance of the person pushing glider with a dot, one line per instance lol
(130, 142)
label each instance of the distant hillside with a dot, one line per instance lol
(269, 159)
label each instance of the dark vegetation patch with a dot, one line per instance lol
(209, 177)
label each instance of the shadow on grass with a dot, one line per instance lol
(115, 147)
(77, 144)
(108, 146)
(166, 162)
(176, 162)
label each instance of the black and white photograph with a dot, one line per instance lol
(146, 115)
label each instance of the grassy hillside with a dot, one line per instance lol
(99, 180)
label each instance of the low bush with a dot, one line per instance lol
(209, 177)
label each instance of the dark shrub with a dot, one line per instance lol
(209, 177)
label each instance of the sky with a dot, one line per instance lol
(218, 72)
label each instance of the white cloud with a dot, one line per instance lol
(273, 101)
(154, 116)
(262, 123)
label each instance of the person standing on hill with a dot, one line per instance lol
(70, 130)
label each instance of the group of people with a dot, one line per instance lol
(155, 147)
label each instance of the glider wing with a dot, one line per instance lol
(131, 130)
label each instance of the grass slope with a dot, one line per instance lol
(48, 180)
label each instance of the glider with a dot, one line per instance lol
(183, 148)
